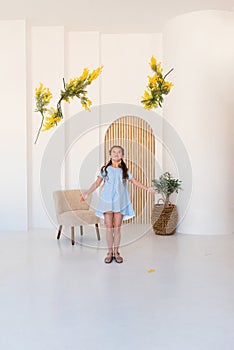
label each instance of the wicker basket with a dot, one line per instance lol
(164, 219)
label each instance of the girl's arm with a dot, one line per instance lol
(140, 185)
(92, 188)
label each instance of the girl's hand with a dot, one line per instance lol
(151, 190)
(83, 196)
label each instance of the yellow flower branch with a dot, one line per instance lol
(75, 88)
(157, 86)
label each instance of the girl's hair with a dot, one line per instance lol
(122, 165)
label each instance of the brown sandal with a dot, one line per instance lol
(118, 258)
(108, 259)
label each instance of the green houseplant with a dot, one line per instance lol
(166, 185)
(165, 216)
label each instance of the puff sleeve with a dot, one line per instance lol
(129, 175)
(101, 174)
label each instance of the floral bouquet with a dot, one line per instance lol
(75, 88)
(157, 86)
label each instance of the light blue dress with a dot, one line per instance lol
(115, 195)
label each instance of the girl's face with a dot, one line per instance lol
(116, 153)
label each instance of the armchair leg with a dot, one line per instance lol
(81, 230)
(59, 231)
(72, 235)
(97, 230)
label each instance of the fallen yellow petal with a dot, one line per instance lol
(151, 270)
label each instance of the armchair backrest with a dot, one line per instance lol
(67, 200)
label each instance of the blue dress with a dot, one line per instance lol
(115, 196)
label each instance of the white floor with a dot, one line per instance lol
(54, 296)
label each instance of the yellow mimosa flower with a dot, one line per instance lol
(48, 126)
(153, 62)
(154, 104)
(84, 74)
(77, 87)
(146, 95)
(53, 114)
(47, 96)
(157, 87)
(71, 83)
(52, 119)
(52, 110)
(160, 80)
(66, 99)
(84, 105)
(147, 105)
(57, 119)
(89, 102)
(75, 81)
(167, 86)
(95, 73)
(49, 119)
(38, 90)
(159, 68)
(154, 79)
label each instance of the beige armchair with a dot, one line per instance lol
(71, 212)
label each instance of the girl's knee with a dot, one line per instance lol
(118, 217)
(109, 226)
(117, 227)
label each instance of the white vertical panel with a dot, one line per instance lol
(82, 50)
(47, 66)
(13, 131)
(200, 107)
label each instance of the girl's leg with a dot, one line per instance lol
(118, 218)
(108, 220)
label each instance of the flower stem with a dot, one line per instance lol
(59, 108)
(40, 127)
(168, 73)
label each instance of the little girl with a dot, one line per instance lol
(114, 205)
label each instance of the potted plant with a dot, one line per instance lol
(164, 217)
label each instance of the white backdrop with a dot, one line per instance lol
(199, 107)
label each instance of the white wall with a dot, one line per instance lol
(200, 47)
(13, 132)
(57, 54)
(126, 60)
(199, 107)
